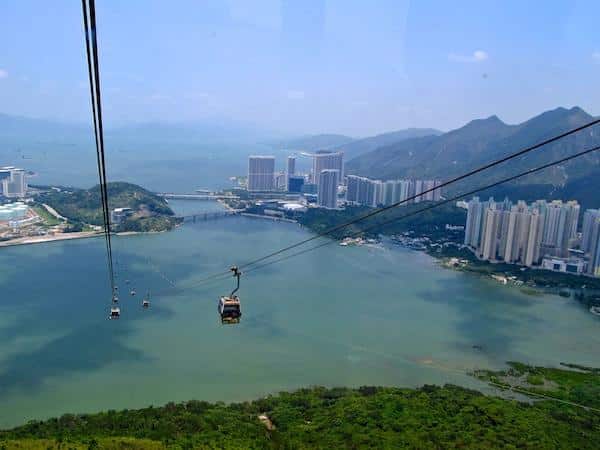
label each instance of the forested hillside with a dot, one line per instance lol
(484, 140)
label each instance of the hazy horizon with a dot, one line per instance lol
(303, 67)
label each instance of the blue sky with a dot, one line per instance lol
(347, 66)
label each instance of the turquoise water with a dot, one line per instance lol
(336, 316)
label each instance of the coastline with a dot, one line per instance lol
(28, 240)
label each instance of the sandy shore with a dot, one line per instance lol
(67, 236)
(57, 237)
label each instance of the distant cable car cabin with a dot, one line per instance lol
(115, 312)
(146, 301)
(229, 307)
(132, 292)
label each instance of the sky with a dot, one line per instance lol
(303, 66)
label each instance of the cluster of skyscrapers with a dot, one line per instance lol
(327, 175)
(13, 182)
(368, 192)
(541, 232)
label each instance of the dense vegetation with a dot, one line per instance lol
(368, 417)
(431, 223)
(581, 385)
(83, 206)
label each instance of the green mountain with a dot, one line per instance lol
(83, 206)
(484, 140)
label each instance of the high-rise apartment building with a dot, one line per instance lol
(593, 267)
(13, 182)
(261, 173)
(499, 231)
(290, 170)
(364, 191)
(327, 188)
(590, 216)
(560, 226)
(325, 160)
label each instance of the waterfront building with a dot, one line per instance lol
(290, 169)
(560, 226)
(291, 166)
(261, 173)
(281, 181)
(13, 182)
(365, 191)
(589, 217)
(327, 188)
(391, 191)
(377, 198)
(309, 188)
(295, 183)
(418, 191)
(499, 231)
(352, 185)
(593, 267)
(326, 160)
(566, 265)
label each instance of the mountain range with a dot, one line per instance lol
(351, 147)
(480, 141)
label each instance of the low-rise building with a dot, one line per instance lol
(575, 266)
(119, 215)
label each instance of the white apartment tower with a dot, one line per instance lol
(325, 160)
(329, 180)
(261, 173)
(13, 182)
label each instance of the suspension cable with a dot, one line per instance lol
(96, 100)
(444, 184)
(435, 205)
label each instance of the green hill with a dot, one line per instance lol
(83, 206)
(484, 140)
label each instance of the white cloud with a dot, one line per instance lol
(295, 95)
(596, 56)
(476, 57)
(3, 73)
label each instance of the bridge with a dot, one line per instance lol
(209, 215)
(211, 196)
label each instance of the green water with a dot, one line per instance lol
(336, 316)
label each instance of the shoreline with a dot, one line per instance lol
(29, 240)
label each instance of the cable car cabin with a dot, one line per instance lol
(115, 312)
(145, 303)
(230, 310)
(132, 292)
(229, 307)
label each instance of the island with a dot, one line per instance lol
(526, 407)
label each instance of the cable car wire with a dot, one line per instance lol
(444, 184)
(435, 205)
(396, 219)
(226, 275)
(96, 100)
